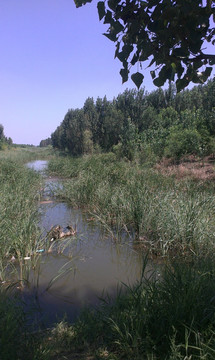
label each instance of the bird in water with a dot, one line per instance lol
(57, 232)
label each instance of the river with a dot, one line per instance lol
(82, 268)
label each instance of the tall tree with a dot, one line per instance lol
(1, 132)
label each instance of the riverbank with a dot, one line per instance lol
(168, 315)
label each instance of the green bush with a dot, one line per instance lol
(181, 142)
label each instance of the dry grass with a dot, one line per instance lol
(190, 167)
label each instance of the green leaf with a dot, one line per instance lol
(134, 59)
(111, 36)
(124, 73)
(126, 50)
(181, 52)
(164, 74)
(121, 56)
(197, 64)
(208, 70)
(212, 61)
(113, 4)
(195, 47)
(79, 3)
(117, 27)
(181, 84)
(158, 81)
(101, 9)
(108, 18)
(204, 75)
(137, 78)
(117, 49)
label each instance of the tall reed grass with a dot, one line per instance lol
(20, 238)
(17, 340)
(19, 232)
(172, 318)
(169, 314)
(165, 214)
(25, 154)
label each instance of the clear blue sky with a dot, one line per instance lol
(53, 56)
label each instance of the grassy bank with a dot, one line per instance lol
(19, 192)
(166, 215)
(167, 315)
(19, 232)
(23, 155)
(168, 319)
(20, 238)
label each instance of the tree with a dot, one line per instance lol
(1, 132)
(45, 142)
(169, 35)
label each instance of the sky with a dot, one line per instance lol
(53, 57)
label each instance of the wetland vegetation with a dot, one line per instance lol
(141, 166)
(165, 315)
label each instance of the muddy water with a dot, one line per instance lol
(81, 268)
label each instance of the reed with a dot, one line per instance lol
(17, 339)
(164, 214)
(19, 232)
(169, 314)
(170, 318)
(25, 154)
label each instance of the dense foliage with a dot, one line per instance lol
(156, 124)
(4, 141)
(171, 36)
(45, 142)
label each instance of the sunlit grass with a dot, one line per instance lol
(20, 235)
(165, 318)
(26, 154)
(166, 215)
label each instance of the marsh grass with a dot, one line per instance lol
(20, 235)
(23, 155)
(169, 314)
(16, 337)
(170, 317)
(167, 215)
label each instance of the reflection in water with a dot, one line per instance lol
(81, 268)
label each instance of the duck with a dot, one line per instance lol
(57, 232)
(71, 231)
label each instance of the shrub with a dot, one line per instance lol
(182, 141)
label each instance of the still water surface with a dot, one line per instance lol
(92, 265)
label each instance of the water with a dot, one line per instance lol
(38, 165)
(91, 265)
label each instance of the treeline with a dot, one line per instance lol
(156, 124)
(46, 142)
(4, 141)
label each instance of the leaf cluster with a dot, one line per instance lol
(170, 36)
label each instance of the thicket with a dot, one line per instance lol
(156, 124)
